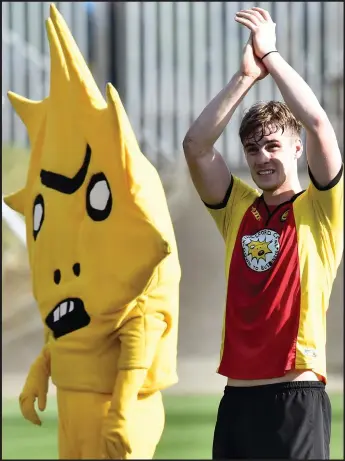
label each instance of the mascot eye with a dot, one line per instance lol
(38, 215)
(98, 198)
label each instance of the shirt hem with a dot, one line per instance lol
(298, 367)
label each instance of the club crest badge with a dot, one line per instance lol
(261, 249)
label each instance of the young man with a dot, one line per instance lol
(283, 249)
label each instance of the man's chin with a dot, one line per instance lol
(267, 186)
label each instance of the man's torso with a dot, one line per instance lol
(280, 266)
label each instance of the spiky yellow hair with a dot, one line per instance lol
(50, 128)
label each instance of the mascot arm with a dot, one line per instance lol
(139, 335)
(36, 384)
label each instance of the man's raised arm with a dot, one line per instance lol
(208, 169)
(324, 158)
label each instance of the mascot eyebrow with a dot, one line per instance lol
(64, 184)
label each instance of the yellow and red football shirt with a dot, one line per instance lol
(280, 265)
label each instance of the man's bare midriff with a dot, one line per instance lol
(293, 375)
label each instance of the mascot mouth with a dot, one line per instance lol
(67, 316)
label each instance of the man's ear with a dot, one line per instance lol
(298, 148)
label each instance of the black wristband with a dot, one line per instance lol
(274, 51)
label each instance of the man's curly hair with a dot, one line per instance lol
(265, 118)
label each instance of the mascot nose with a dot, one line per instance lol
(76, 269)
(57, 276)
(57, 273)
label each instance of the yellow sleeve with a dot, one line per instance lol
(328, 202)
(42, 362)
(47, 335)
(239, 193)
(327, 210)
(139, 335)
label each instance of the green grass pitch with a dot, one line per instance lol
(188, 432)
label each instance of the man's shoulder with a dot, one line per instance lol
(243, 189)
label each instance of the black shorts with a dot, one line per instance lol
(281, 421)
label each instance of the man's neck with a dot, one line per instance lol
(281, 195)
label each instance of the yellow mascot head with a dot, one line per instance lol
(96, 216)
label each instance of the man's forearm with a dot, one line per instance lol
(296, 92)
(211, 123)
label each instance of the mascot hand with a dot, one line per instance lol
(115, 443)
(36, 387)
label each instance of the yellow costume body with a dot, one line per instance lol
(104, 265)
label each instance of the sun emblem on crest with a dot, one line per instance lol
(258, 249)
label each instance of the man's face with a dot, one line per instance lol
(272, 159)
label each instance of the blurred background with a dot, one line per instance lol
(167, 60)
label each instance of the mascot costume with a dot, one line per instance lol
(104, 265)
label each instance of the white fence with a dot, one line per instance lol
(25, 55)
(178, 55)
(168, 59)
